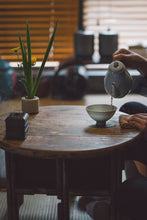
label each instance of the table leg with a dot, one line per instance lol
(12, 199)
(62, 188)
(116, 175)
(119, 169)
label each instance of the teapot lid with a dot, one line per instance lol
(116, 66)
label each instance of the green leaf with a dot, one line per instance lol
(36, 83)
(28, 44)
(23, 53)
(27, 75)
(29, 67)
(23, 81)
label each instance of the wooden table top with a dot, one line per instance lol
(67, 131)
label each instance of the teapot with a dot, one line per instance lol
(117, 82)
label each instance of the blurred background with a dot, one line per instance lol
(89, 31)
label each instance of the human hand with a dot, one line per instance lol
(138, 120)
(131, 60)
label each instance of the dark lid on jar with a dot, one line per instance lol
(109, 32)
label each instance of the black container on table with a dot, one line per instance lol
(108, 44)
(17, 125)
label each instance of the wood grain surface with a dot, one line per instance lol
(67, 132)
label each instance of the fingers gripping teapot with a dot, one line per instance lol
(118, 81)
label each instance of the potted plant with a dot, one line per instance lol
(30, 103)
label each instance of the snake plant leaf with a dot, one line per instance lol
(27, 75)
(31, 87)
(23, 53)
(29, 67)
(23, 81)
(36, 83)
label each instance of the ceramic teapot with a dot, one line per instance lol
(117, 81)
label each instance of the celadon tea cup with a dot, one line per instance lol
(101, 113)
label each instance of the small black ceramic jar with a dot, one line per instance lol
(17, 125)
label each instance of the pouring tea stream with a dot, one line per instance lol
(117, 83)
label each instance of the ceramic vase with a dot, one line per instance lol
(30, 106)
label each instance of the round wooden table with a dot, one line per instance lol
(62, 135)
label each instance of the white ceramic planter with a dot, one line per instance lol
(30, 106)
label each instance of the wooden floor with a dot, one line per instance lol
(40, 207)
